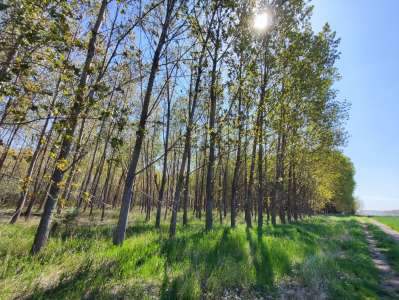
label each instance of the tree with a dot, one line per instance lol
(61, 163)
(120, 230)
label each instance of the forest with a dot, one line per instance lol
(177, 114)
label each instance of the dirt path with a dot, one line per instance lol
(389, 279)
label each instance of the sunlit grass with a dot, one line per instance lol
(318, 256)
(392, 222)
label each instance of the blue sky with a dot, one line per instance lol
(369, 65)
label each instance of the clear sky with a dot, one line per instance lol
(369, 64)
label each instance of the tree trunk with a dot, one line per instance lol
(8, 145)
(9, 58)
(39, 175)
(187, 142)
(261, 193)
(165, 162)
(186, 188)
(120, 231)
(58, 174)
(212, 137)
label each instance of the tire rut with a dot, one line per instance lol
(389, 280)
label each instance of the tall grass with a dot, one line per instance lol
(318, 257)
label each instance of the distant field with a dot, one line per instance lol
(392, 222)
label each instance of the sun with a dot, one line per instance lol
(262, 21)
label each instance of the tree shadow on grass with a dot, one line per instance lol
(305, 232)
(204, 258)
(97, 231)
(174, 248)
(201, 262)
(76, 286)
(261, 260)
(211, 269)
(95, 282)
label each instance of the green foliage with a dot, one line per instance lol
(274, 89)
(334, 173)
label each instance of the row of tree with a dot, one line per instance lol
(170, 106)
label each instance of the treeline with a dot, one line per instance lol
(170, 106)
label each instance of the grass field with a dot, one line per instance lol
(316, 258)
(392, 222)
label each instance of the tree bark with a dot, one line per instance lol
(165, 162)
(212, 137)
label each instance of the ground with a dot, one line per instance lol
(316, 258)
(389, 281)
(387, 240)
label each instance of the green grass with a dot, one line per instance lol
(388, 245)
(392, 222)
(316, 257)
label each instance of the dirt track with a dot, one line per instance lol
(389, 278)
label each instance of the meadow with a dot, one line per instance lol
(391, 221)
(318, 258)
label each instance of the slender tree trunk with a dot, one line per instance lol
(249, 198)
(234, 185)
(9, 58)
(225, 181)
(282, 201)
(118, 188)
(186, 188)
(58, 174)
(100, 167)
(27, 180)
(8, 145)
(276, 196)
(165, 163)
(221, 192)
(261, 180)
(237, 170)
(201, 187)
(107, 185)
(187, 143)
(17, 162)
(86, 182)
(212, 137)
(120, 231)
(72, 172)
(32, 164)
(5, 112)
(39, 175)
(197, 176)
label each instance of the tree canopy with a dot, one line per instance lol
(170, 106)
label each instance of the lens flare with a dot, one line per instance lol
(262, 21)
